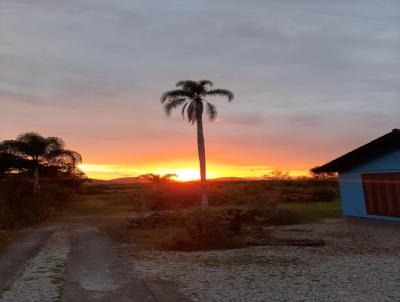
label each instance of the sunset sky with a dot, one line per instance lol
(312, 80)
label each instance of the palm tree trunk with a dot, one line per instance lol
(202, 159)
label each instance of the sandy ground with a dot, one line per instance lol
(360, 262)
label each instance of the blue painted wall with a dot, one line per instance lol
(351, 189)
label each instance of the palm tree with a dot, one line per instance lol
(32, 152)
(158, 179)
(191, 96)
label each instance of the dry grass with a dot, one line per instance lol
(166, 238)
(98, 204)
(192, 230)
(183, 233)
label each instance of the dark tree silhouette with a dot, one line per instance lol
(157, 179)
(31, 153)
(191, 96)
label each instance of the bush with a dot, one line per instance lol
(59, 194)
(282, 216)
(19, 206)
(205, 226)
(324, 195)
(302, 193)
(206, 230)
(172, 196)
(29, 208)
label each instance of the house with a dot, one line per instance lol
(369, 178)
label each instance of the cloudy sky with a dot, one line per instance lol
(312, 79)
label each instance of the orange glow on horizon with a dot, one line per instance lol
(185, 174)
(185, 171)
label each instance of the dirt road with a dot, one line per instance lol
(73, 262)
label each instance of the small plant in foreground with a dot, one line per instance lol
(137, 204)
(204, 225)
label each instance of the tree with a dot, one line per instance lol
(322, 175)
(32, 154)
(158, 179)
(191, 97)
(278, 175)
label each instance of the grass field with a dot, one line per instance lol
(106, 199)
(293, 203)
(97, 204)
(315, 212)
(124, 199)
(246, 193)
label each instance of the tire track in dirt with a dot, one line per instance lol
(42, 277)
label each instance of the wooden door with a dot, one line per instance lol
(382, 193)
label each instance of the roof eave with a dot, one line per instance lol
(385, 144)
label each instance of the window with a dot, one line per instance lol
(382, 193)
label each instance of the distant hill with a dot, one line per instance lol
(120, 181)
(134, 180)
(229, 179)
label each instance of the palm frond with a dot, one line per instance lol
(173, 94)
(154, 178)
(172, 104)
(147, 176)
(75, 157)
(221, 92)
(32, 144)
(211, 111)
(192, 96)
(168, 176)
(191, 112)
(29, 137)
(183, 109)
(64, 156)
(204, 83)
(187, 85)
(54, 144)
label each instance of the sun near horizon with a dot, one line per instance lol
(184, 171)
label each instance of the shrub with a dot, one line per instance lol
(324, 195)
(96, 189)
(205, 226)
(282, 216)
(158, 202)
(173, 196)
(30, 208)
(302, 193)
(20, 207)
(205, 230)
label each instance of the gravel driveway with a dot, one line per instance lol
(360, 262)
(73, 263)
